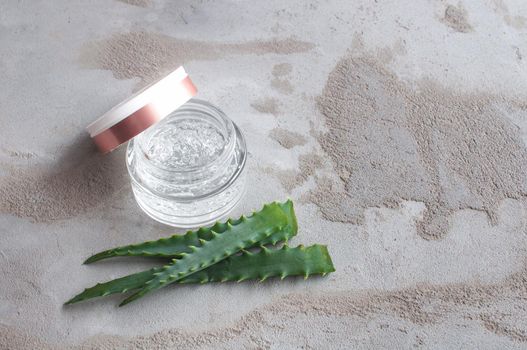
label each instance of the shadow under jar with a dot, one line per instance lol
(188, 169)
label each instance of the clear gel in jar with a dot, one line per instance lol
(187, 170)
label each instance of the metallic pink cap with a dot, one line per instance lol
(142, 110)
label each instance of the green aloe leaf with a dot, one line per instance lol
(246, 233)
(174, 246)
(266, 263)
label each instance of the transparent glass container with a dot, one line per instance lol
(188, 169)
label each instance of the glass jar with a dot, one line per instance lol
(187, 170)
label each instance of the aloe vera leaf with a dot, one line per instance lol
(119, 285)
(247, 233)
(283, 262)
(268, 262)
(174, 246)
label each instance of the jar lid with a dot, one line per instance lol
(142, 110)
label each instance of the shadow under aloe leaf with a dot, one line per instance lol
(80, 180)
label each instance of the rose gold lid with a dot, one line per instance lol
(141, 110)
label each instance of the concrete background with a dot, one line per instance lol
(398, 127)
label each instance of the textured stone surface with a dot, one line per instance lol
(398, 128)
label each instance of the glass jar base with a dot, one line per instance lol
(194, 214)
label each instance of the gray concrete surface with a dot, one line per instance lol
(398, 127)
